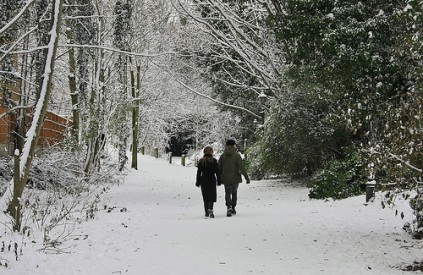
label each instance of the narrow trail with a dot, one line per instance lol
(154, 224)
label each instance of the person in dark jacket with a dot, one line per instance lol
(207, 177)
(231, 168)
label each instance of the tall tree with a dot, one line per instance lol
(33, 134)
(43, 27)
(10, 82)
(8, 37)
(122, 32)
(135, 88)
(70, 37)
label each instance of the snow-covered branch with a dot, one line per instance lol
(406, 163)
(69, 17)
(112, 49)
(9, 111)
(215, 100)
(41, 106)
(243, 40)
(235, 29)
(16, 43)
(14, 19)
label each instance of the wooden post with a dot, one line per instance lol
(170, 157)
(142, 150)
(15, 205)
(370, 190)
(183, 160)
(156, 152)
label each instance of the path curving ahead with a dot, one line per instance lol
(155, 225)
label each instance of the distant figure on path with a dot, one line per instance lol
(231, 168)
(207, 177)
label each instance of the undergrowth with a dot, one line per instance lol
(57, 198)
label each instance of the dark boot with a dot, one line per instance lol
(210, 212)
(229, 212)
(210, 209)
(206, 207)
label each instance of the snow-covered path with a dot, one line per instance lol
(155, 225)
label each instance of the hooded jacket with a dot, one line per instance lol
(231, 167)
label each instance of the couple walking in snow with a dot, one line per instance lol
(227, 171)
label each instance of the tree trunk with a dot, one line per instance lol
(135, 114)
(123, 34)
(33, 134)
(15, 203)
(99, 110)
(41, 8)
(72, 86)
(24, 90)
(124, 131)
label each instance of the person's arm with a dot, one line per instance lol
(217, 172)
(197, 181)
(220, 165)
(242, 169)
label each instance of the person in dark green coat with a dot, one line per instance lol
(231, 168)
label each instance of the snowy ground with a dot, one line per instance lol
(155, 225)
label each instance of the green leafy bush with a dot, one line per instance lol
(340, 179)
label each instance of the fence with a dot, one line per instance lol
(55, 129)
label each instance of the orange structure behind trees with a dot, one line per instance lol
(55, 129)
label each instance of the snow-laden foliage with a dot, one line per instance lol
(181, 114)
(9, 73)
(168, 105)
(243, 58)
(298, 137)
(340, 179)
(59, 196)
(364, 58)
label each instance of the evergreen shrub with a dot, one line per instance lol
(341, 178)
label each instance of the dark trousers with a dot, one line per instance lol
(231, 195)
